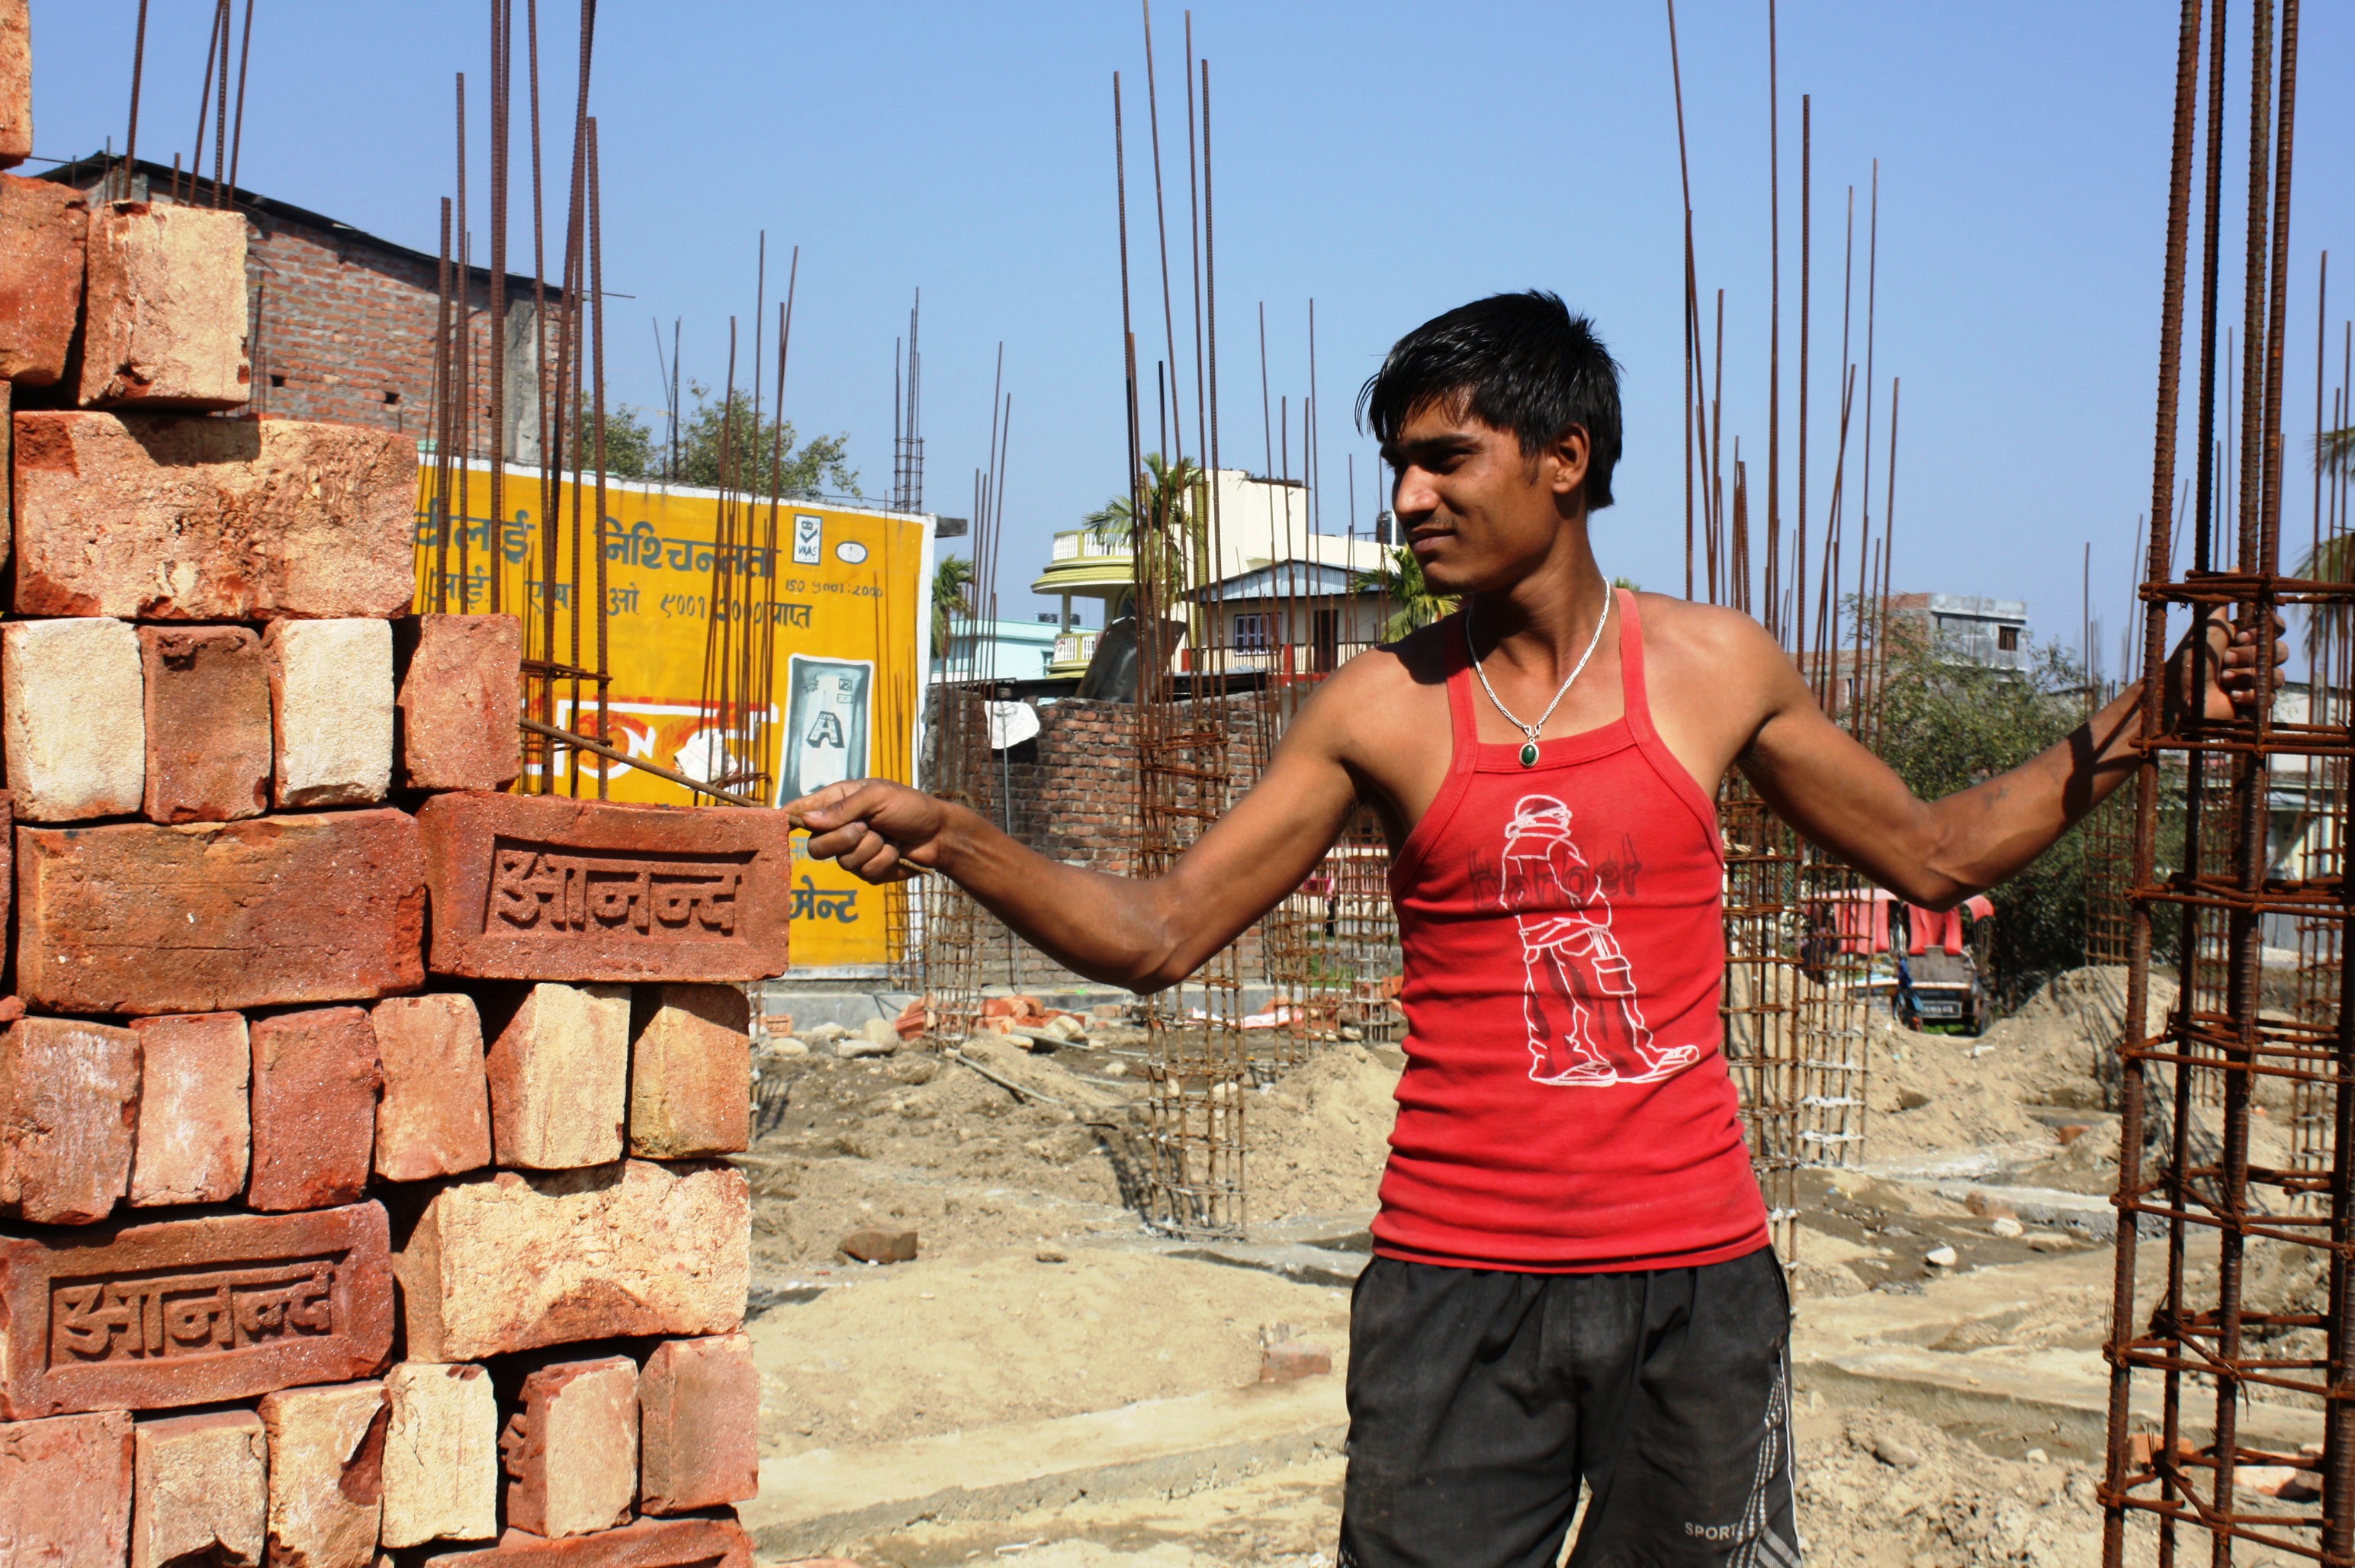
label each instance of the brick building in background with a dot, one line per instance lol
(341, 323)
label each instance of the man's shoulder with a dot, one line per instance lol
(1682, 638)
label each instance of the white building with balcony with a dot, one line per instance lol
(1257, 524)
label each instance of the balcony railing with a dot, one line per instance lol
(1089, 544)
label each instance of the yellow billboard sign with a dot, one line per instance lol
(848, 593)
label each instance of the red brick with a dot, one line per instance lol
(560, 1072)
(43, 229)
(877, 1246)
(1289, 1360)
(690, 1072)
(326, 1474)
(184, 519)
(461, 691)
(199, 1490)
(644, 1543)
(699, 1425)
(153, 1314)
(435, 1117)
(517, 1261)
(542, 887)
(274, 910)
(65, 1490)
(570, 1449)
(71, 713)
(16, 82)
(68, 1101)
(164, 309)
(315, 1084)
(207, 704)
(196, 1136)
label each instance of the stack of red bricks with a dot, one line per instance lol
(361, 1125)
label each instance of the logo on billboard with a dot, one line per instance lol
(809, 540)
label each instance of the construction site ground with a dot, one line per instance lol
(1047, 1381)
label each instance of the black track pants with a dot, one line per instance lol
(1480, 1399)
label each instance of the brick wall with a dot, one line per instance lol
(1073, 798)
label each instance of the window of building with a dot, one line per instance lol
(2006, 638)
(1255, 631)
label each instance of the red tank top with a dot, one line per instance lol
(1565, 1105)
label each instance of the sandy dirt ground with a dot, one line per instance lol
(1035, 1295)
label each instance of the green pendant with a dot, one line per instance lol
(1529, 753)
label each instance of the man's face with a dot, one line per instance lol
(1478, 513)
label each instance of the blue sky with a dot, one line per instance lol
(1388, 160)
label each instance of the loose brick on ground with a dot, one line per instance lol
(690, 1072)
(271, 912)
(65, 1489)
(184, 519)
(570, 1449)
(69, 1105)
(163, 309)
(200, 1490)
(542, 887)
(327, 1482)
(74, 716)
(460, 689)
(559, 1071)
(315, 1084)
(516, 1260)
(330, 710)
(208, 714)
(16, 82)
(441, 1455)
(435, 1118)
(699, 1425)
(258, 1302)
(44, 227)
(195, 1134)
(644, 1543)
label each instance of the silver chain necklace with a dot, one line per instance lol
(1529, 746)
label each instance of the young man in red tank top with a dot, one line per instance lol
(1571, 1278)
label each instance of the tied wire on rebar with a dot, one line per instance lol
(2232, 1348)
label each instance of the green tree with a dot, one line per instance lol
(1177, 552)
(720, 440)
(1946, 724)
(1401, 578)
(952, 584)
(629, 448)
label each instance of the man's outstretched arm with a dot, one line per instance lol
(1937, 853)
(1141, 933)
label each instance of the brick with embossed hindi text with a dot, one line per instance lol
(154, 1314)
(546, 887)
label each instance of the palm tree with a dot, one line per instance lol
(1400, 579)
(952, 583)
(1174, 548)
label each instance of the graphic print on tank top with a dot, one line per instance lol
(1579, 997)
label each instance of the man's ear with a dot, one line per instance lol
(1568, 459)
